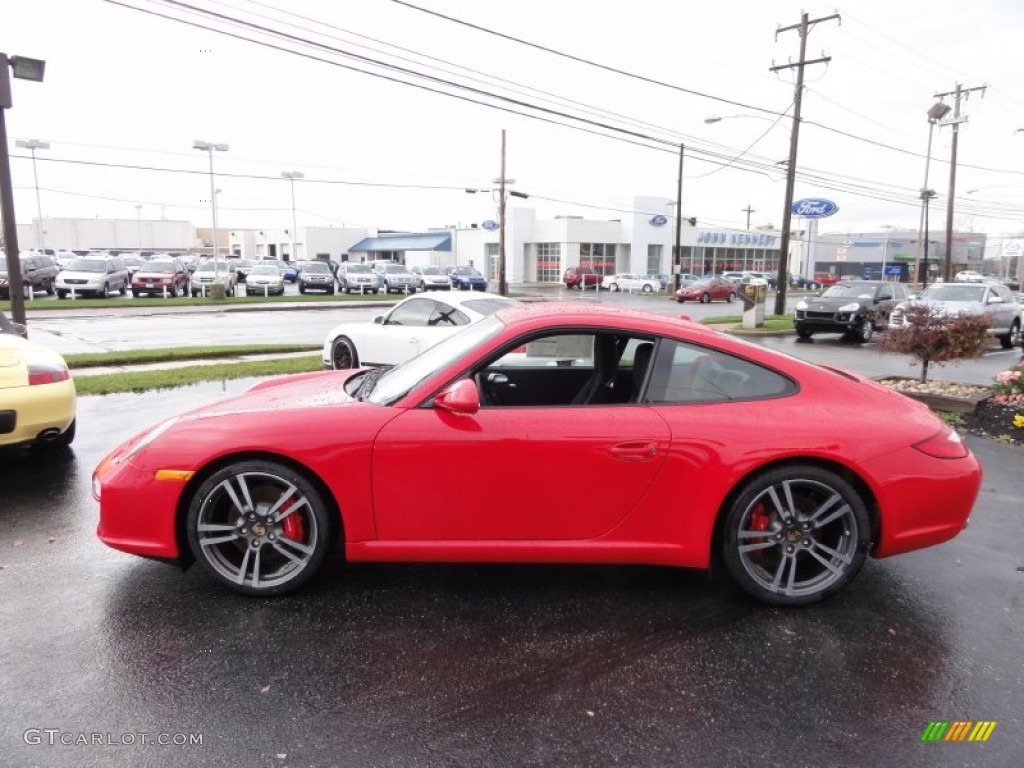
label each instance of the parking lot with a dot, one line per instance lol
(469, 665)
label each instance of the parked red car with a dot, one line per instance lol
(161, 277)
(258, 488)
(575, 277)
(709, 289)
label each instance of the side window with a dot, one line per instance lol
(686, 373)
(414, 313)
(444, 315)
(885, 294)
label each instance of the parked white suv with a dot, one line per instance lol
(993, 300)
(969, 276)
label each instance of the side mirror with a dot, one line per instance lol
(378, 320)
(461, 398)
(995, 300)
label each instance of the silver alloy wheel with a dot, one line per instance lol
(258, 527)
(797, 536)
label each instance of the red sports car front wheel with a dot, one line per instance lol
(258, 527)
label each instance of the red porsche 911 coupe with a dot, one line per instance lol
(706, 446)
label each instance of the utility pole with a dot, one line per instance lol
(958, 93)
(677, 257)
(748, 210)
(794, 137)
(502, 286)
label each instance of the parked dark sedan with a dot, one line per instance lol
(854, 308)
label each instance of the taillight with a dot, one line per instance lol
(944, 444)
(47, 374)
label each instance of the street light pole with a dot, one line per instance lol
(138, 221)
(209, 147)
(678, 256)
(937, 111)
(926, 196)
(32, 145)
(292, 176)
(26, 69)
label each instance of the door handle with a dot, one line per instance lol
(639, 450)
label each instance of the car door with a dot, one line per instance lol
(399, 334)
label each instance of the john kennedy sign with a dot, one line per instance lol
(814, 208)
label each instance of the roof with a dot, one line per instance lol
(430, 241)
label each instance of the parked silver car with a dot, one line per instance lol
(432, 278)
(397, 277)
(990, 299)
(357, 277)
(264, 280)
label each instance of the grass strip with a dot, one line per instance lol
(144, 381)
(139, 356)
(772, 323)
(90, 303)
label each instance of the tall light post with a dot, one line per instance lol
(292, 176)
(935, 113)
(32, 145)
(926, 196)
(209, 147)
(138, 222)
(26, 69)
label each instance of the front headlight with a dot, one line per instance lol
(851, 307)
(801, 304)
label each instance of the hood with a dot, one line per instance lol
(301, 391)
(834, 302)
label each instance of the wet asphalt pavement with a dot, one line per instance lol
(435, 665)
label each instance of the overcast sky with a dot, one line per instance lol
(127, 92)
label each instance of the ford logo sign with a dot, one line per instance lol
(659, 220)
(490, 224)
(814, 208)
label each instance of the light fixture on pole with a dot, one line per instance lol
(209, 147)
(32, 145)
(292, 176)
(935, 113)
(26, 69)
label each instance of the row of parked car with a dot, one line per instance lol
(859, 308)
(169, 275)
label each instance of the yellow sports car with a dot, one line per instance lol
(37, 395)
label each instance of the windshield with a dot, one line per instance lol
(87, 265)
(317, 267)
(159, 266)
(432, 271)
(399, 380)
(358, 269)
(466, 271)
(849, 290)
(266, 270)
(395, 269)
(209, 266)
(953, 293)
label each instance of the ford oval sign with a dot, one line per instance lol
(490, 224)
(814, 208)
(659, 220)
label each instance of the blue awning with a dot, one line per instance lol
(430, 241)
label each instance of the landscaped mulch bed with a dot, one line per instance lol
(995, 420)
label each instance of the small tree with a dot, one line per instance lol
(929, 335)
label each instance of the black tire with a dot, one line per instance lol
(330, 291)
(174, 291)
(50, 288)
(803, 333)
(705, 298)
(343, 354)
(302, 290)
(680, 300)
(1011, 339)
(729, 298)
(124, 288)
(647, 288)
(258, 527)
(135, 293)
(423, 287)
(613, 287)
(62, 294)
(800, 553)
(105, 293)
(866, 331)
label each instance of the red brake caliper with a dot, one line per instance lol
(293, 526)
(759, 521)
